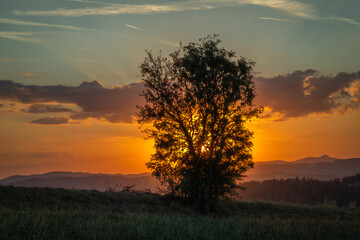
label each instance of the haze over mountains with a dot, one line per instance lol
(323, 158)
(88, 181)
(321, 168)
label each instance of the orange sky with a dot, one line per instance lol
(98, 146)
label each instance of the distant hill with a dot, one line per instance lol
(20, 178)
(88, 181)
(321, 168)
(323, 158)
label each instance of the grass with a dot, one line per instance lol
(41, 213)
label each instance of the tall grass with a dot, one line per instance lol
(69, 214)
(29, 224)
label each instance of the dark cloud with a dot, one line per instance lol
(304, 92)
(117, 104)
(44, 108)
(51, 120)
(293, 95)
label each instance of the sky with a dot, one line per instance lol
(69, 77)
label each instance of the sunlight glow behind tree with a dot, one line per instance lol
(199, 100)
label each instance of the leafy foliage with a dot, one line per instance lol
(199, 101)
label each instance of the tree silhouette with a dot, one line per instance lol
(199, 100)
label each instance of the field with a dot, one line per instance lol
(44, 213)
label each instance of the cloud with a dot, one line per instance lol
(43, 154)
(37, 24)
(87, 1)
(296, 94)
(292, 7)
(44, 108)
(27, 74)
(346, 20)
(94, 2)
(114, 9)
(51, 120)
(133, 27)
(117, 104)
(48, 154)
(277, 19)
(306, 92)
(21, 36)
(168, 43)
(14, 60)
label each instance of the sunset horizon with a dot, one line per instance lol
(70, 77)
(147, 171)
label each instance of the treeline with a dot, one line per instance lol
(343, 192)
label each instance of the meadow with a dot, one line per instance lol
(45, 213)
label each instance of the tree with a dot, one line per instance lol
(198, 101)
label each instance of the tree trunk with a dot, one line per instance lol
(207, 189)
(194, 185)
(195, 191)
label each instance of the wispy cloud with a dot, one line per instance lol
(277, 19)
(346, 20)
(21, 36)
(51, 120)
(114, 9)
(94, 2)
(292, 7)
(169, 43)
(27, 74)
(47, 108)
(133, 27)
(15, 60)
(37, 24)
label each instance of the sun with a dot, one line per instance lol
(203, 149)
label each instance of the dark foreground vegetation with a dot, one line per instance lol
(343, 192)
(44, 213)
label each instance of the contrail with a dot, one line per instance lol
(133, 27)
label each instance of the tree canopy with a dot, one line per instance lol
(199, 100)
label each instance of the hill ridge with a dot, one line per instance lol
(322, 170)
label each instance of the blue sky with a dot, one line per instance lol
(67, 42)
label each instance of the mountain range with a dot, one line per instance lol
(321, 168)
